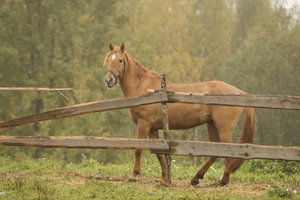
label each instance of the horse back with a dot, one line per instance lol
(210, 87)
(182, 115)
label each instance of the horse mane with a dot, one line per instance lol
(140, 66)
(145, 69)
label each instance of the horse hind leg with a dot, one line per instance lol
(231, 165)
(247, 136)
(226, 137)
(213, 137)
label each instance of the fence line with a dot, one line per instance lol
(169, 147)
(260, 101)
(32, 89)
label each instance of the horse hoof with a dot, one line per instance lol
(223, 183)
(161, 180)
(131, 180)
(194, 182)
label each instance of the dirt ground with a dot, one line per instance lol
(77, 179)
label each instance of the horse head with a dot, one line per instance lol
(114, 62)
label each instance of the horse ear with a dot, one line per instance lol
(122, 47)
(110, 47)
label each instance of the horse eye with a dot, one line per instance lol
(120, 61)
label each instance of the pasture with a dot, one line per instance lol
(49, 178)
(248, 46)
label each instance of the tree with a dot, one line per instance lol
(55, 44)
(265, 62)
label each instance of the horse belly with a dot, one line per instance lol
(184, 116)
(181, 116)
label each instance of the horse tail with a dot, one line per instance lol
(249, 126)
(246, 137)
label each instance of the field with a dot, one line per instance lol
(49, 178)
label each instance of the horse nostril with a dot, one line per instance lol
(106, 80)
(109, 81)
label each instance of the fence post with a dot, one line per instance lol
(166, 128)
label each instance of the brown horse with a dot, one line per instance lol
(135, 79)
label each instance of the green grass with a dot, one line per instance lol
(47, 178)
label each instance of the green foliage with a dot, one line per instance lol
(280, 192)
(279, 167)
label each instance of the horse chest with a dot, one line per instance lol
(149, 113)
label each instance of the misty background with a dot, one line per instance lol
(251, 44)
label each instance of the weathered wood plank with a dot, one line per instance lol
(33, 89)
(177, 147)
(246, 151)
(258, 101)
(79, 109)
(82, 142)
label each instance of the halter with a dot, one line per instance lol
(110, 70)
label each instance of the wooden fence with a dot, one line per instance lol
(172, 147)
(178, 147)
(259, 101)
(166, 146)
(10, 89)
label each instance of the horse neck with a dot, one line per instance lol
(136, 81)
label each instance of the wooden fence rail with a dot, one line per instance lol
(6, 89)
(260, 101)
(173, 147)
(79, 109)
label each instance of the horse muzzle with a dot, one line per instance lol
(110, 81)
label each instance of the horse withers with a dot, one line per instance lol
(135, 80)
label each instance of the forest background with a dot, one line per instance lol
(252, 44)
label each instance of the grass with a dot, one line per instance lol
(48, 178)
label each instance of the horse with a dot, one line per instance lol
(135, 79)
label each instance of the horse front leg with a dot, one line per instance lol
(143, 130)
(154, 134)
